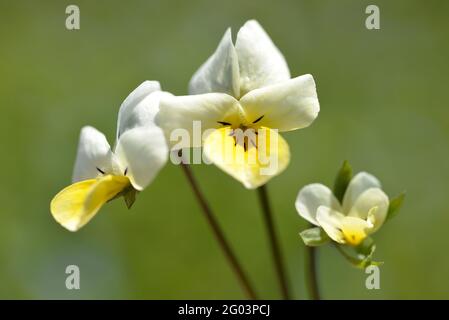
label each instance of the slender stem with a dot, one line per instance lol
(311, 273)
(275, 249)
(230, 256)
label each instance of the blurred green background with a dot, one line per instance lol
(384, 106)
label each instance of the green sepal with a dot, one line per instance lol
(130, 197)
(365, 252)
(367, 247)
(342, 180)
(364, 256)
(395, 205)
(314, 237)
(366, 260)
(128, 194)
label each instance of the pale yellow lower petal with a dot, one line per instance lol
(343, 229)
(75, 205)
(355, 230)
(252, 163)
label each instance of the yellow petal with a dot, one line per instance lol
(254, 161)
(75, 205)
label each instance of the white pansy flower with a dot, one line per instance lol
(362, 212)
(245, 86)
(102, 173)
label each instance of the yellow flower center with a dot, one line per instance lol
(354, 237)
(354, 230)
(244, 134)
(245, 137)
(250, 155)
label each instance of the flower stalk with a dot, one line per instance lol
(311, 273)
(219, 235)
(274, 243)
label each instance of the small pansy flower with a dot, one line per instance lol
(101, 173)
(245, 86)
(362, 212)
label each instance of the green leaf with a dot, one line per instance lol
(395, 205)
(342, 180)
(130, 197)
(314, 237)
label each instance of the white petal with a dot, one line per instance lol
(210, 108)
(311, 197)
(359, 183)
(220, 73)
(372, 204)
(290, 105)
(260, 62)
(140, 107)
(94, 155)
(142, 152)
(331, 221)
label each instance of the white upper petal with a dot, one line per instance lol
(371, 205)
(220, 73)
(289, 105)
(260, 62)
(94, 154)
(359, 183)
(311, 197)
(140, 107)
(180, 112)
(142, 152)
